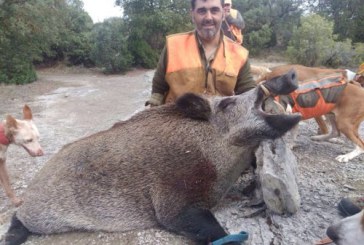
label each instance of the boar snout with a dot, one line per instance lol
(282, 122)
(284, 84)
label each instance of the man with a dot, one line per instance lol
(201, 61)
(234, 24)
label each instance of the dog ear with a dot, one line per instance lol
(11, 122)
(27, 113)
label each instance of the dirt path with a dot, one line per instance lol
(68, 105)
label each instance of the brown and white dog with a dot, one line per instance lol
(258, 72)
(19, 132)
(348, 231)
(347, 113)
(305, 73)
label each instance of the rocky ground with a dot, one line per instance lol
(68, 104)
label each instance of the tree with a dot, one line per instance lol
(71, 40)
(269, 23)
(149, 21)
(110, 49)
(21, 40)
(348, 17)
(35, 30)
(314, 44)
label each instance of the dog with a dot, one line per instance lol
(19, 132)
(258, 72)
(306, 73)
(347, 111)
(348, 231)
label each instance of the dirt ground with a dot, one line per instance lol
(70, 103)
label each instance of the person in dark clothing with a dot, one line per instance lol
(234, 24)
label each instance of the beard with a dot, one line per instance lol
(208, 33)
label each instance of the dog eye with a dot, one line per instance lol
(29, 141)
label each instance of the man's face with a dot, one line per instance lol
(227, 7)
(207, 17)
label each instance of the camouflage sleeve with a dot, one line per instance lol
(245, 79)
(159, 83)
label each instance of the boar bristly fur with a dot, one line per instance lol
(165, 167)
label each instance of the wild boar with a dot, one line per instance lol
(126, 178)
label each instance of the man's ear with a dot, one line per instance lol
(191, 13)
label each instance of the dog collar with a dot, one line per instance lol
(3, 139)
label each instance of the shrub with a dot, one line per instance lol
(313, 44)
(144, 55)
(258, 40)
(110, 51)
(17, 72)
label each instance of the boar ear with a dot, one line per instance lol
(27, 113)
(194, 106)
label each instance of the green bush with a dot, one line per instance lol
(259, 40)
(17, 72)
(110, 50)
(144, 55)
(359, 53)
(314, 44)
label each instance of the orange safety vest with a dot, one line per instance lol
(235, 30)
(315, 98)
(185, 71)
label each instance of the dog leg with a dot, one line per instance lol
(4, 178)
(351, 132)
(333, 133)
(322, 125)
(346, 157)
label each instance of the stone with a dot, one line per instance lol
(277, 173)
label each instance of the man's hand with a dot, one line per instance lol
(155, 100)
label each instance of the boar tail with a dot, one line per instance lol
(17, 233)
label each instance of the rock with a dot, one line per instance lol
(277, 173)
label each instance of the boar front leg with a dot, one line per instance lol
(196, 223)
(200, 225)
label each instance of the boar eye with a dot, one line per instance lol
(226, 102)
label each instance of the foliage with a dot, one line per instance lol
(47, 31)
(149, 22)
(313, 44)
(110, 50)
(359, 53)
(74, 42)
(269, 23)
(348, 17)
(20, 40)
(38, 30)
(143, 53)
(71, 41)
(260, 38)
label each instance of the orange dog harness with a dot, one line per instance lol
(3, 139)
(314, 98)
